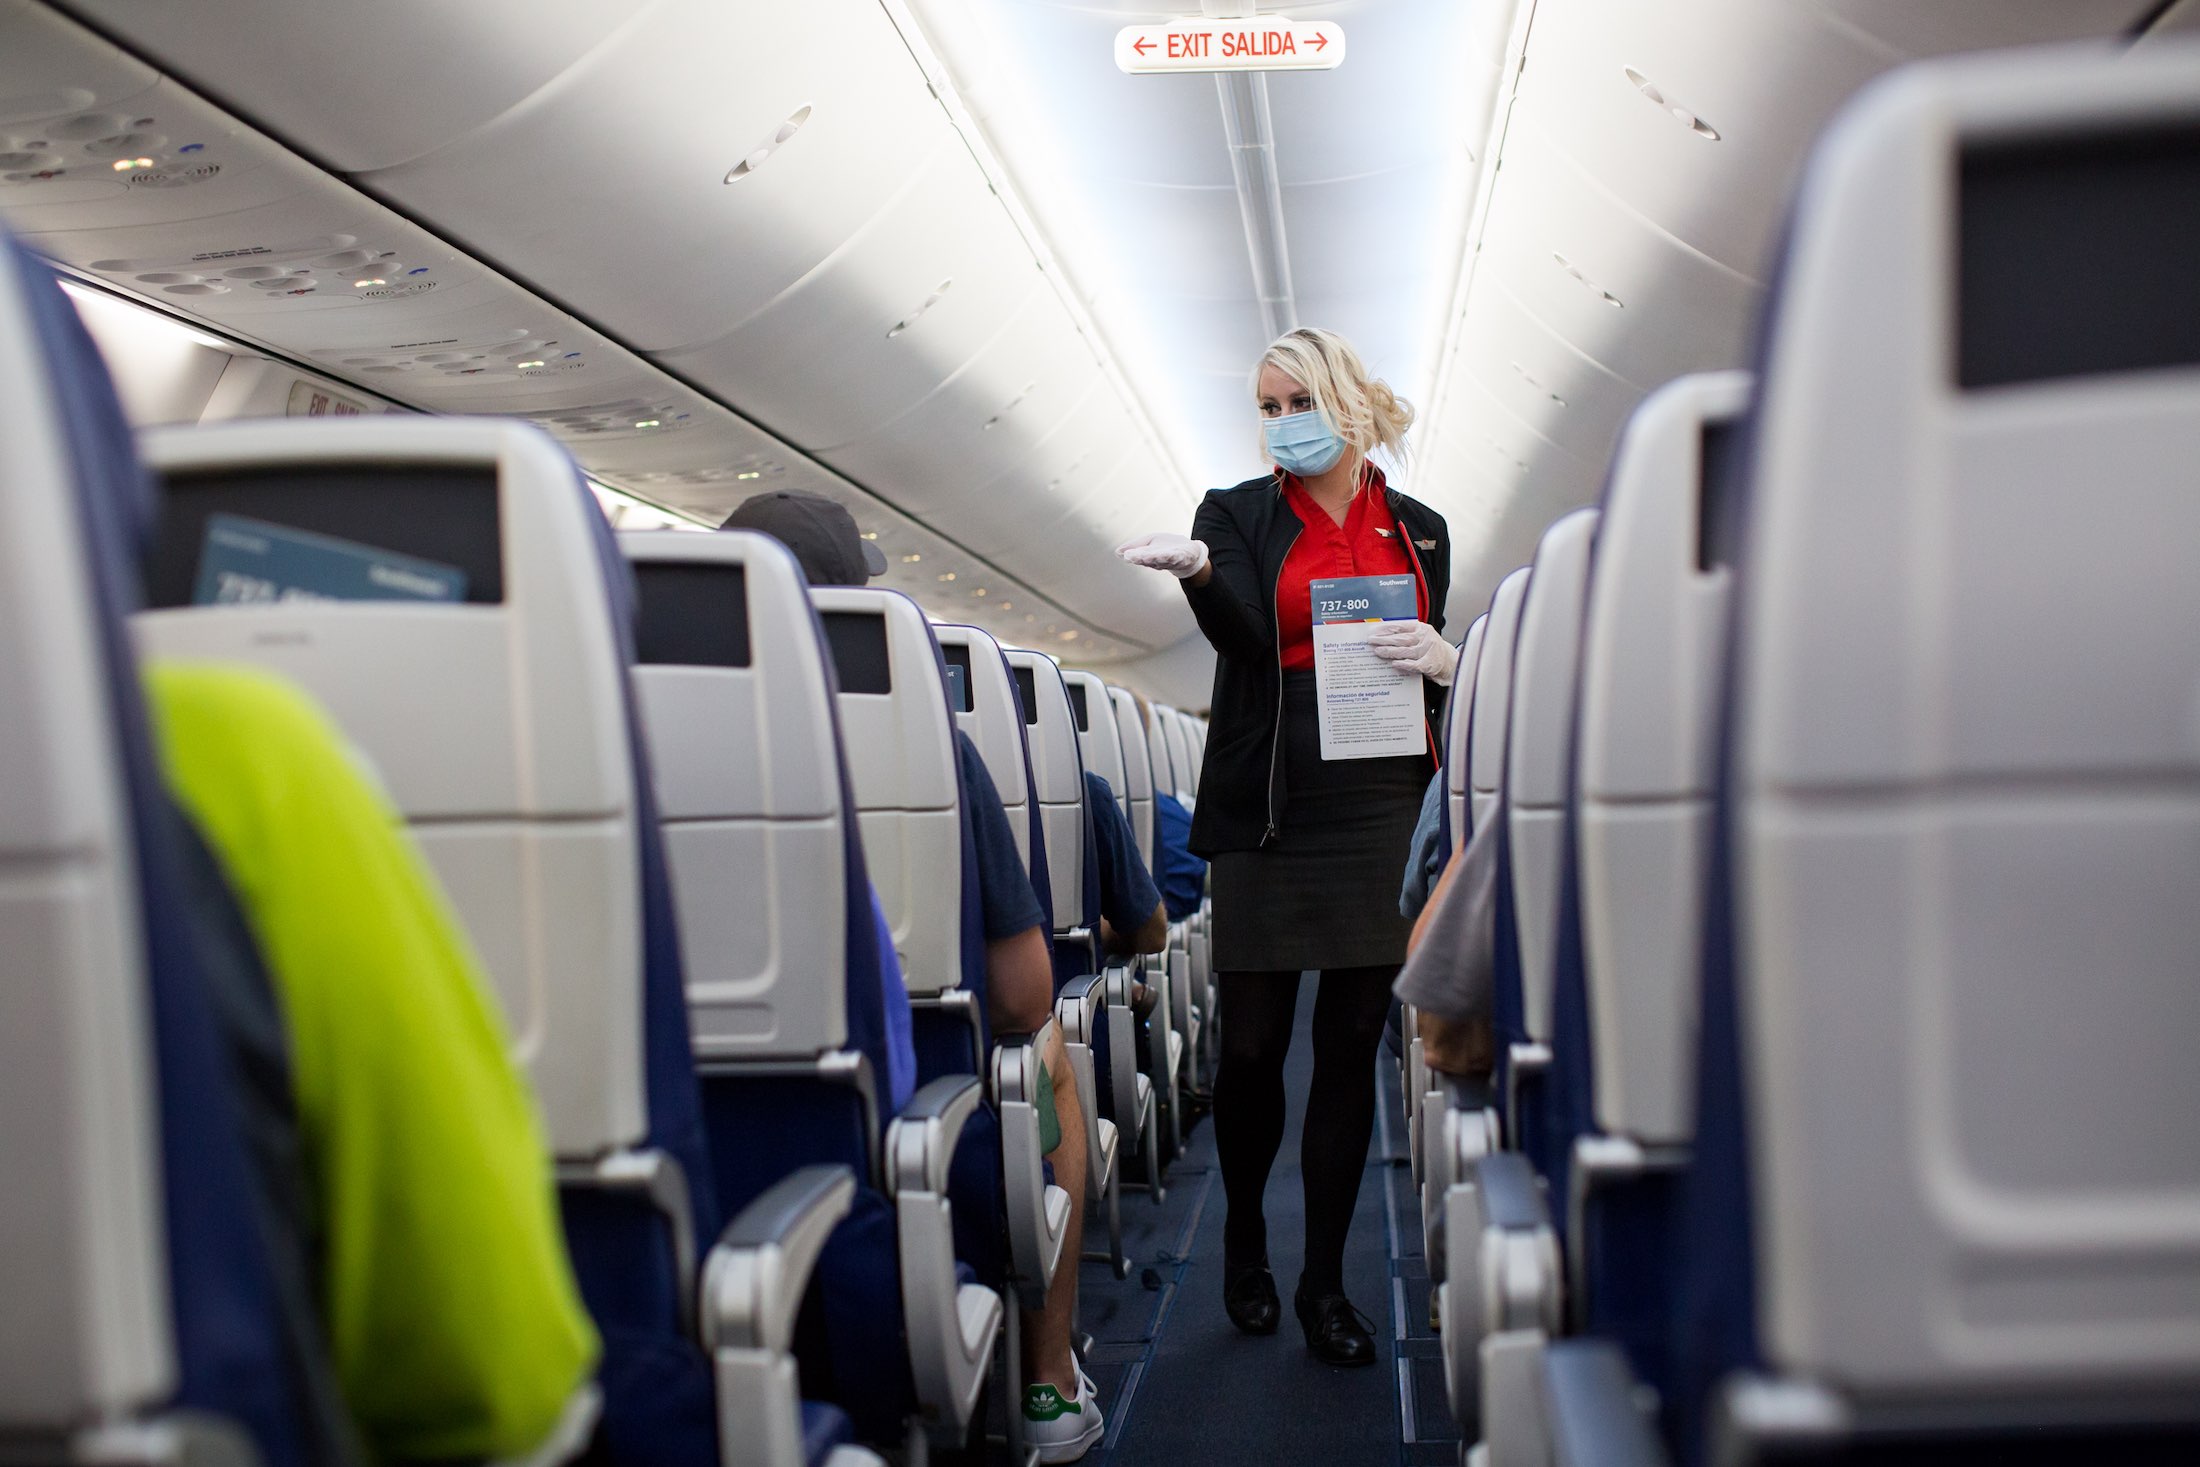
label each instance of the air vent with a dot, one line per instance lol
(1586, 283)
(918, 314)
(334, 262)
(754, 158)
(1671, 108)
(1529, 378)
(633, 415)
(1011, 405)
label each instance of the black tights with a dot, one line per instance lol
(1349, 1009)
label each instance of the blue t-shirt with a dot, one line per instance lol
(1183, 875)
(1005, 896)
(1127, 894)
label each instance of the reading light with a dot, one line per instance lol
(646, 423)
(524, 366)
(870, 534)
(123, 165)
(911, 559)
(370, 280)
(749, 474)
(947, 575)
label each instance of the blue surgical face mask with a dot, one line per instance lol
(1303, 443)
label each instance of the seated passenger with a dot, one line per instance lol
(1183, 875)
(1061, 1409)
(1450, 969)
(1061, 1412)
(450, 1308)
(1133, 918)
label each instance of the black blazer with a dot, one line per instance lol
(1248, 531)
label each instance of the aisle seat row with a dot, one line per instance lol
(1842, 783)
(659, 780)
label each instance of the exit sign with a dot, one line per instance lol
(1256, 43)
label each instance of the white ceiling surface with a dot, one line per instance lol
(576, 148)
(1130, 177)
(1622, 246)
(579, 150)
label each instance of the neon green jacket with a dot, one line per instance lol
(455, 1325)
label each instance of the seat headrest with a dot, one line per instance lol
(1493, 676)
(1098, 743)
(737, 703)
(1459, 717)
(1539, 755)
(900, 741)
(1963, 780)
(440, 586)
(1653, 650)
(85, 1326)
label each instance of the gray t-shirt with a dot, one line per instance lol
(1449, 973)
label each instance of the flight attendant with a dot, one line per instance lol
(1306, 851)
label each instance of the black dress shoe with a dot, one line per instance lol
(1249, 1296)
(1336, 1333)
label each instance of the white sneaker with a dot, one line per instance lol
(1062, 1430)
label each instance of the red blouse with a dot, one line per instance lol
(1368, 543)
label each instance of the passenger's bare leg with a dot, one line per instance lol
(1048, 1358)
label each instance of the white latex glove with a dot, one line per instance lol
(1415, 646)
(1180, 555)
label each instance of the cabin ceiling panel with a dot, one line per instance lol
(367, 88)
(1619, 288)
(981, 423)
(609, 190)
(1540, 378)
(895, 312)
(1935, 27)
(153, 157)
(1062, 471)
(1695, 116)
(276, 271)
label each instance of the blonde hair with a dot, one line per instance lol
(1363, 409)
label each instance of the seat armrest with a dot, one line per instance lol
(755, 1277)
(656, 1176)
(1078, 1006)
(1512, 1200)
(1038, 1211)
(920, 1143)
(1596, 1416)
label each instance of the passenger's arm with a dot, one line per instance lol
(1227, 596)
(1019, 982)
(1150, 938)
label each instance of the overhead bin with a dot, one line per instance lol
(693, 167)
(1608, 280)
(322, 77)
(1694, 115)
(940, 455)
(915, 293)
(1541, 378)
(1061, 472)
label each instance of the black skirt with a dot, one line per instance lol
(1324, 894)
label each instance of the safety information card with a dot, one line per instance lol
(1369, 709)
